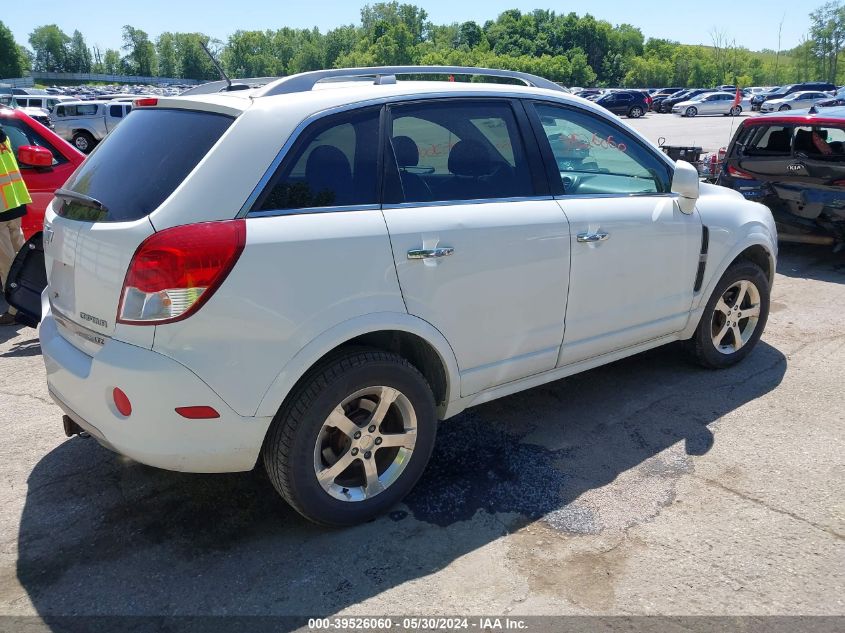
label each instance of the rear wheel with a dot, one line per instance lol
(353, 439)
(734, 317)
(691, 111)
(736, 110)
(83, 141)
(635, 113)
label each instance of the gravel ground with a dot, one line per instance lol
(648, 486)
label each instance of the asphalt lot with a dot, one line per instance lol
(708, 132)
(649, 486)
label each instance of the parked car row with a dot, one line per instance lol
(781, 92)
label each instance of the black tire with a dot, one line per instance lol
(635, 113)
(691, 111)
(289, 448)
(83, 141)
(736, 110)
(701, 345)
(784, 108)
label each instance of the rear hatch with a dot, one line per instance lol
(793, 166)
(100, 217)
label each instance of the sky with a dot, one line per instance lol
(752, 24)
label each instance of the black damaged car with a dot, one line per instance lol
(795, 164)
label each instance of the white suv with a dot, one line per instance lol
(314, 272)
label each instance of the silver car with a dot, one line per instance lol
(795, 101)
(712, 103)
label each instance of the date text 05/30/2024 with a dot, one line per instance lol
(417, 623)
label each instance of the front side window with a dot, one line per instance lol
(20, 133)
(332, 164)
(451, 150)
(594, 157)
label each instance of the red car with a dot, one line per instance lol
(46, 161)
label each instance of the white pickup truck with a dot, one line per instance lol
(86, 123)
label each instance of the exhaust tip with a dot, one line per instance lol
(71, 427)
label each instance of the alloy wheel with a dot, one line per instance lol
(735, 317)
(365, 444)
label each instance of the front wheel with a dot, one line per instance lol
(734, 317)
(736, 110)
(691, 111)
(353, 438)
(783, 108)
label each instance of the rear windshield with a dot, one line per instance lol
(817, 142)
(141, 163)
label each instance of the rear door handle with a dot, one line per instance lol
(430, 253)
(598, 236)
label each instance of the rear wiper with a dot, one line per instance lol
(81, 198)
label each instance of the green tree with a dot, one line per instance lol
(50, 44)
(168, 59)
(140, 56)
(78, 55)
(11, 61)
(112, 62)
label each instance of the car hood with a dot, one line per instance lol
(688, 103)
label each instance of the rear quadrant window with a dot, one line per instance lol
(332, 165)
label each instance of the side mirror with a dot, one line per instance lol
(34, 156)
(685, 183)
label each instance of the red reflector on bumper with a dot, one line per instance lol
(121, 401)
(198, 413)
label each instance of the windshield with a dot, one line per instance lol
(140, 164)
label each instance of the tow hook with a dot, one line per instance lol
(72, 428)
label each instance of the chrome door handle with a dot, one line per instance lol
(430, 253)
(598, 236)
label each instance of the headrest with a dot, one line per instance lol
(470, 158)
(327, 160)
(407, 152)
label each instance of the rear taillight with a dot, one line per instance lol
(735, 172)
(175, 271)
(146, 102)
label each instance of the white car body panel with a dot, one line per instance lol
(271, 306)
(500, 299)
(621, 294)
(504, 312)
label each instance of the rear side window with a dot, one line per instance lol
(333, 164)
(115, 111)
(450, 151)
(142, 162)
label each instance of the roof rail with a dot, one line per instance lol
(303, 82)
(221, 86)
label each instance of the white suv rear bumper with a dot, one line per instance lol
(154, 433)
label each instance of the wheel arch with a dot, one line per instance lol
(414, 339)
(757, 248)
